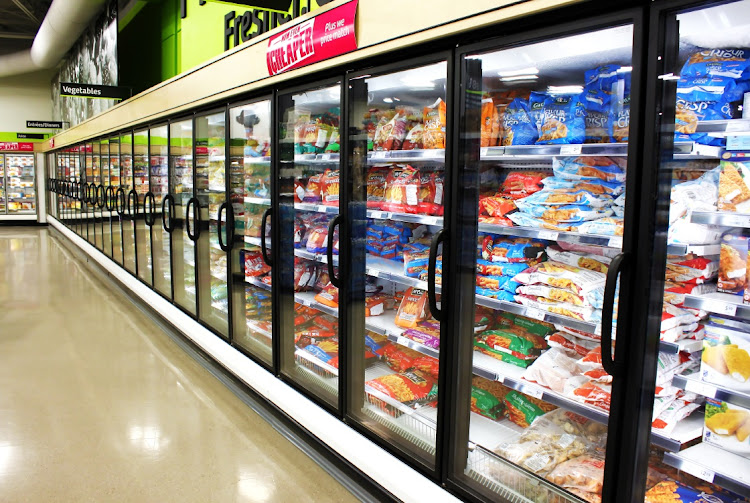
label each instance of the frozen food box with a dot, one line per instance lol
(727, 426)
(746, 294)
(726, 358)
(734, 187)
(733, 264)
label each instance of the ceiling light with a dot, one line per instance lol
(519, 77)
(565, 89)
(387, 100)
(625, 69)
(522, 71)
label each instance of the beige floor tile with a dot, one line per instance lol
(97, 404)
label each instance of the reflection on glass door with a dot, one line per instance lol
(181, 190)
(250, 193)
(544, 162)
(702, 398)
(120, 195)
(158, 152)
(398, 134)
(141, 185)
(308, 206)
(131, 202)
(211, 193)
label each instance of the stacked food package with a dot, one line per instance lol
(316, 133)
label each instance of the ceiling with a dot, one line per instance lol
(19, 22)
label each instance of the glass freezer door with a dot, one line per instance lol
(181, 190)
(100, 193)
(92, 178)
(131, 203)
(20, 183)
(120, 196)
(398, 174)
(141, 184)
(109, 197)
(2, 186)
(211, 235)
(543, 165)
(702, 381)
(158, 160)
(308, 140)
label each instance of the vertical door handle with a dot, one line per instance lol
(431, 267)
(110, 196)
(102, 198)
(192, 235)
(263, 248)
(168, 201)
(230, 226)
(132, 209)
(150, 215)
(329, 251)
(222, 244)
(610, 364)
(120, 201)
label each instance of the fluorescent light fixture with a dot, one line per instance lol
(565, 89)
(523, 71)
(519, 77)
(396, 99)
(418, 82)
(387, 100)
(625, 69)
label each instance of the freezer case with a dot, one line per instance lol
(145, 205)
(543, 166)
(119, 199)
(250, 189)
(307, 224)
(703, 381)
(19, 184)
(109, 197)
(159, 170)
(132, 204)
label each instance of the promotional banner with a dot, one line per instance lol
(44, 124)
(93, 91)
(325, 36)
(17, 146)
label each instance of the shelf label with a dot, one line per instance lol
(325, 157)
(378, 155)
(737, 126)
(484, 151)
(533, 392)
(550, 235)
(535, 313)
(722, 308)
(570, 150)
(734, 220)
(700, 388)
(615, 242)
(699, 471)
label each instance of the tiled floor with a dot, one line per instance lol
(97, 404)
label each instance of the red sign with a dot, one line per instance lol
(322, 37)
(17, 146)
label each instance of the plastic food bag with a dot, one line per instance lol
(523, 409)
(329, 296)
(330, 187)
(563, 276)
(598, 263)
(525, 220)
(402, 190)
(569, 213)
(413, 138)
(607, 226)
(409, 388)
(490, 123)
(734, 63)
(594, 186)
(434, 125)
(312, 191)
(413, 308)
(609, 169)
(585, 473)
(564, 120)
(520, 184)
(564, 197)
(518, 128)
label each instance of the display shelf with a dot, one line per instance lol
(256, 241)
(385, 325)
(390, 270)
(318, 208)
(558, 319)
(217, 275)
(249, 159)
(308, 357)
(256, 327)
(509, 375)
(724, 126)
(257, 200)
(550, 235)
(417, 155)
(692, 150)
(721, 218)
(686, 345)
(714, 465)
(253, 280)
(405, 217)
(693, 384)
(308, 299)
(536, 151)
(719, 303)
(701, 250)
(316, 257)
(219, 307)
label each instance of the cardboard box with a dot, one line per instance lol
(727, 426)
(726, 358)
(733, 264)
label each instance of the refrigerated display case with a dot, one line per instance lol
(17, 184)
(309, 323)
(212, 235)
(185, 216)
(159, 183)
(250, 192)
(144, 207)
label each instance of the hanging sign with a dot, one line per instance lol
(94, 91)
(322, 37)
(17, 146)
(30, 136)
(44, 124)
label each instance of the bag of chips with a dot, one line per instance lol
(330, 187)
(412, 387)
(413, 308)
(434, 125)
(402, 190)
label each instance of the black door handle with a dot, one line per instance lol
(431, 267)
(610, 364)
(169, 202)
(194, 236)
(230, 226)
(110, 197)
(120, 201)
(132, 208)
(263, 248)
(150, 215)
(329, 251)
(101, 198)
(222, 244)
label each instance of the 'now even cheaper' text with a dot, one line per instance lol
(292, 47)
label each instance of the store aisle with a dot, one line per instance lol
(97, 404)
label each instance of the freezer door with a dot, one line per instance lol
(181, 190)
(131, 203)
(542, 165)
(159, 170)
(141, 184)
(119, 196)
(3, 200)
(700, 249)
(211, 195)
(109, 195)
(20, 183)
(250, 189)
(398, 174)
(308, 137)
(92, 178)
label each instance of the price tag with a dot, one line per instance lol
(533, 391)
(615, 242)
(325, 157)
(734, 220)
(700, 388)
(723, 308)
(570, 150)
(535, 314)
(736, 126)
(378, 155)
(484, 151)
(402, 341)
(551, 235)
(372, 272)
(699, 471)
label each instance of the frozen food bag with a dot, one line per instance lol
(411, 387)
(567, 196)
(677, 492)
(585, 473)
(607, 226)
(434, 125)
(524, 220)
(523, 409)
(733, 264)
(734, 187)
(733, 63)
(725, 359)
(413, 308)
(414, 138)
(518, 128)
(490, 118)
(564, 120)
(563, 276)
(594, 186)
(609, 169)
(568, 214)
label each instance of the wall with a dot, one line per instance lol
(23, 98)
